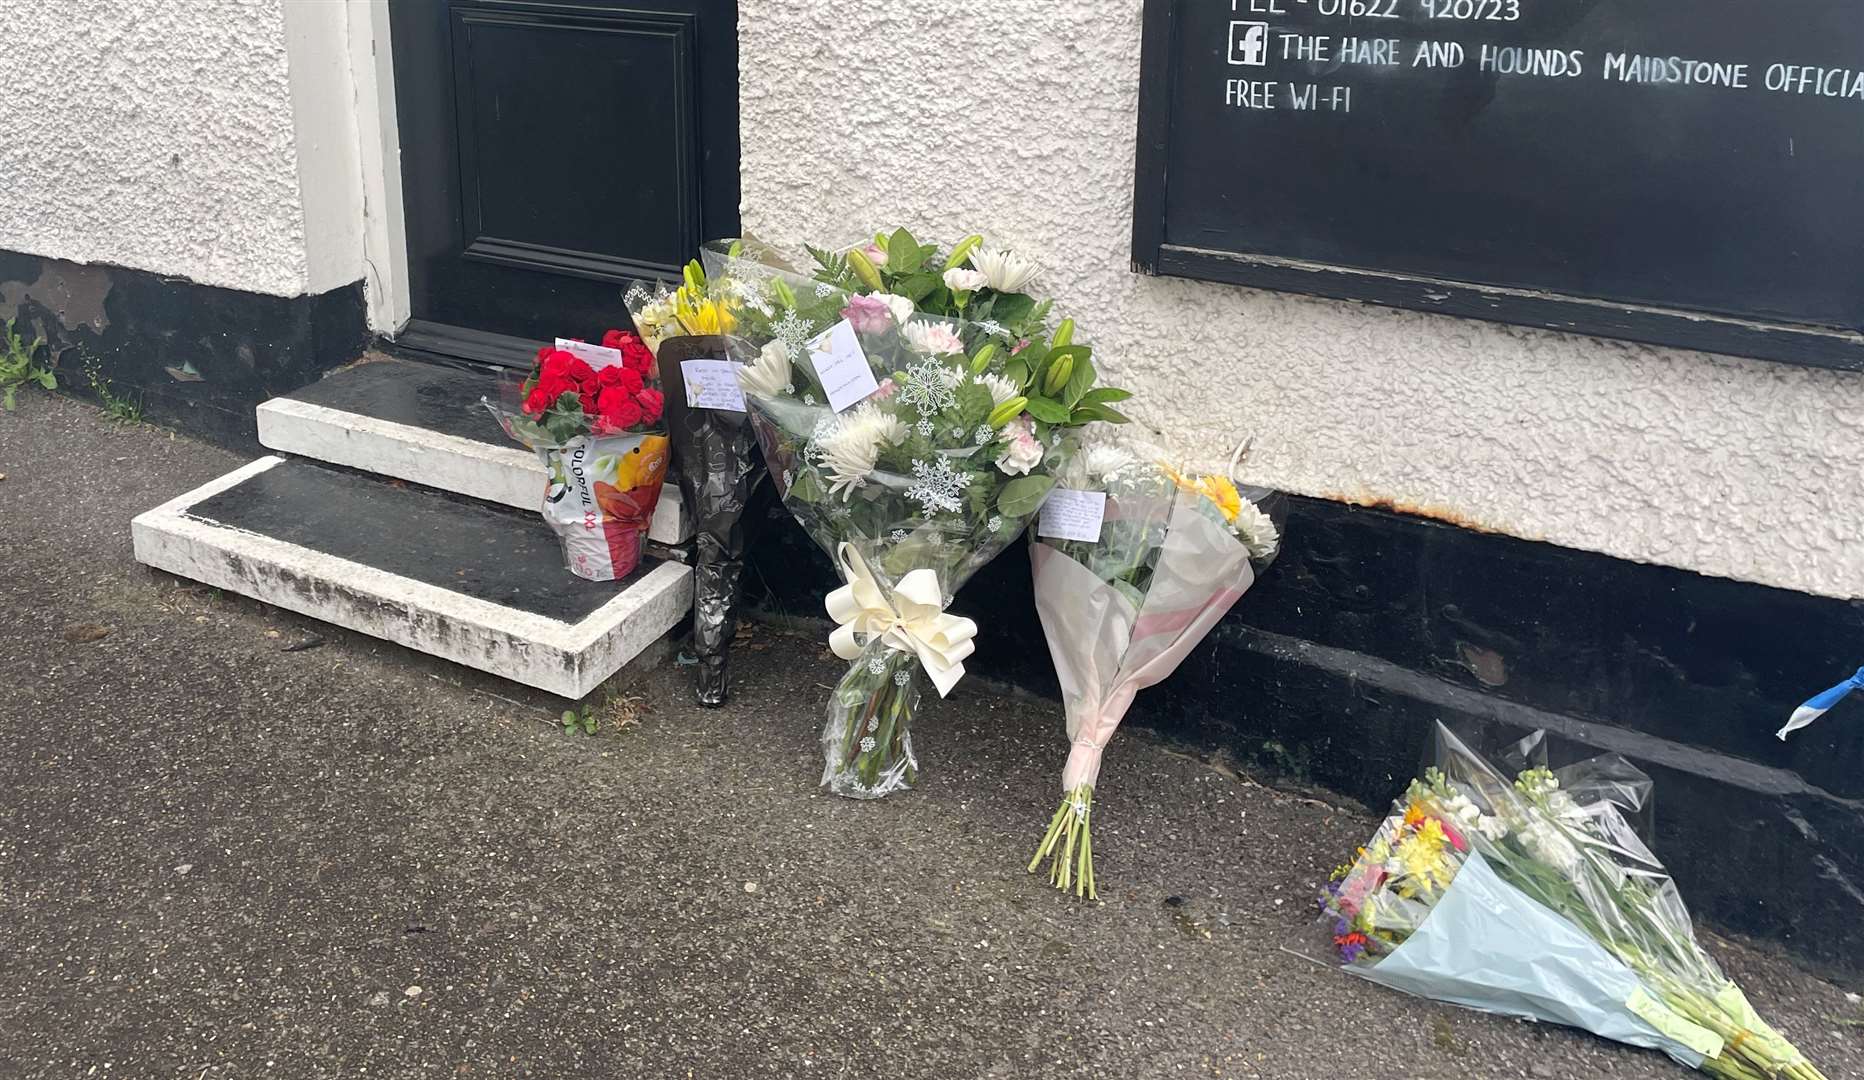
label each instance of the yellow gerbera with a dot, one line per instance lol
(1215, 488)
(1221, 491)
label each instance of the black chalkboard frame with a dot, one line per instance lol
(1810, 346)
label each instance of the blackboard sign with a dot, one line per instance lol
(1685, 172)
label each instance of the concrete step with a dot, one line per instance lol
(424, 423)
(480, 585)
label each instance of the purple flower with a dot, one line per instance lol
(868, 315)
(1353, 948)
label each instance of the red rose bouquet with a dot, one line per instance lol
(594, 416)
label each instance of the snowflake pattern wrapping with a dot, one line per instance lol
(924, 427)
(937, 486)
(825, 429)
(930, 387)
(794, 332)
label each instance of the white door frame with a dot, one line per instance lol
(385, 239)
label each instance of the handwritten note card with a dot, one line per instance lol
(594, 355)
(842, 366)
(1073, 515)
(712, 384)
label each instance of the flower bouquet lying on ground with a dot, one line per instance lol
(1134, 563)
(1536, 898)
(913, 448)
(591, 413)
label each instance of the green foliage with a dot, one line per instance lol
(122, 408)
(834, 269)
(1023, 495)
(19, 366)
(974, 405)
(580, 723)
(1048, 410)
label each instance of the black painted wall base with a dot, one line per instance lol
(194, 356)
(1372, 625)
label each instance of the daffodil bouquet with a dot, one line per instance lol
(1127, 585)
(913, 449)
(1537, 898)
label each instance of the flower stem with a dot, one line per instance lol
(1069, 844)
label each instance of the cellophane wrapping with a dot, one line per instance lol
(716, 463)
(1530, 892)
(903, 490)
(1120, 613)
(600, 490)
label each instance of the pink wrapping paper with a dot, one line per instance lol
(1105, 651)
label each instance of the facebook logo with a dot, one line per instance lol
(1249, 43)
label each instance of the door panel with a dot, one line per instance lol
(553, 152)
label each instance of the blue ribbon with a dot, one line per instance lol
(1817, 705)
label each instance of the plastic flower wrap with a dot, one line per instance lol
(913, 449)
(594, 416)
(1537, 898)
(1124, 599)
(715, 453)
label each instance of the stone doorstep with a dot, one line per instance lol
(481, 586)
(421, 423)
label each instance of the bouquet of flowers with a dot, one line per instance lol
(913, 448)
(1134, 563)
(714, 447)
(1537, 898)
(593, 415)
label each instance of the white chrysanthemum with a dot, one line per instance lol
(769, 373)
(1006, 271)
(849, 452)
(1107, 461)
(933, 338)
(1001, 389)
(1255, 529)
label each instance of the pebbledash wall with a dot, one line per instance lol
(1644, 550)
(1019, 116)
(183, 213)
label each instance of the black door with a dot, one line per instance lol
(553, 152)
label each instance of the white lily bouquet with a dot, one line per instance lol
(912, 446)
(1134, 563)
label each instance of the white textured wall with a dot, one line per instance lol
(1017, 117)
(196, 138)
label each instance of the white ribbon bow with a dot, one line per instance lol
(909, 619)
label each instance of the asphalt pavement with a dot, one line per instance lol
(234, 843)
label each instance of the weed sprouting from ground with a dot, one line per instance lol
(122, 408)
(20, 366)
